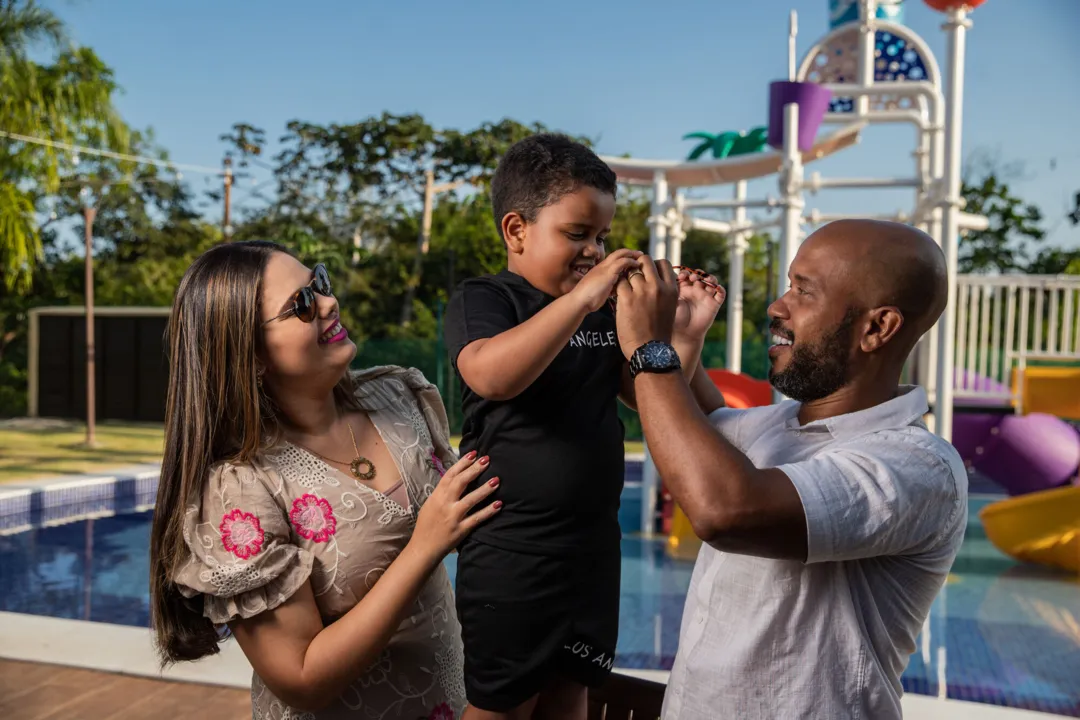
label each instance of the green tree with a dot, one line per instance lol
(1014, 226)
(354, 192)
(147, 232)
(65, 97)
(1055, 261)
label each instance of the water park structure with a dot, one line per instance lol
(1002, 366)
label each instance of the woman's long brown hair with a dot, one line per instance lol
(215, 410)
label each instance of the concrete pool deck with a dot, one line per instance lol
(128, 651)
(31, 691)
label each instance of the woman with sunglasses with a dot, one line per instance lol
(303, 507)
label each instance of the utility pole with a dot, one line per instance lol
(423, 240)
(226, 225)
(89, 213)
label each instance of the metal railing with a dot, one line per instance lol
(1005, 322)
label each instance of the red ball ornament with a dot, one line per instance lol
(947, 5)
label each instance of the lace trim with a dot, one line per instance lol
(301, 467)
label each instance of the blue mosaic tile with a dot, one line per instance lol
(47, 503)
(15, 511)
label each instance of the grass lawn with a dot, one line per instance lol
(32, 449)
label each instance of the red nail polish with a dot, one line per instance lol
(471, 455)
(494, 482)
(497, 504)
(485, 460)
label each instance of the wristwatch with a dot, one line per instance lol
(656, 357)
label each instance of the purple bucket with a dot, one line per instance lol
(813, 101)
(972, 431)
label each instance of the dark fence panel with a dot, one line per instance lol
(131, 371)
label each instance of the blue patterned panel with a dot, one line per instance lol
(894, 60)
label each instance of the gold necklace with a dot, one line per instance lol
(358, 462)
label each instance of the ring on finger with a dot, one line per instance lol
(634, 274)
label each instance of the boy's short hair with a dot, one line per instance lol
(540, 170)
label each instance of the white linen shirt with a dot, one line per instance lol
(886, 508)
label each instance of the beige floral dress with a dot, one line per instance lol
(265, 528)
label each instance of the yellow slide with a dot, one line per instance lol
(682, 543)
(1050, 390)
(1040, 527)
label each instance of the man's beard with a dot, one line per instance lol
(817, 371)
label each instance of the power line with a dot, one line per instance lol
(81, 149)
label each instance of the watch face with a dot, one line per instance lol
(658, 355)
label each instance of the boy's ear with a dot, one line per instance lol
(513, 231)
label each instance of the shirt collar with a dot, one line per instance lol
(909, 405)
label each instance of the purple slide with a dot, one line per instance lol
(1021, 453)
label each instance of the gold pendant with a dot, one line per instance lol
(363, 462)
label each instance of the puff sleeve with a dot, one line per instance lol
(242, 558)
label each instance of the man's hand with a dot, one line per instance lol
(700, 298)
(647, 300)
(596, 287)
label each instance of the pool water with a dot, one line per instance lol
(1000, 632)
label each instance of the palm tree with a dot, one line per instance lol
(67, 98)
(728, 144)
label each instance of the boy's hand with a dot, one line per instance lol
(700, 298)
(597, 286)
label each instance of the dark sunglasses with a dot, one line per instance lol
(303, 300)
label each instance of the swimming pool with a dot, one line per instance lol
(999, 633)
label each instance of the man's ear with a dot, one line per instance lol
(513, 231)
(884, 325)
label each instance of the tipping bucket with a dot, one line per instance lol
(813, 101)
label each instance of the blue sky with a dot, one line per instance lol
(636, 76)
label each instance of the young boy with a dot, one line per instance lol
(541, 368)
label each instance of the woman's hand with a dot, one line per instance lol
(308, 665)
(444, 520)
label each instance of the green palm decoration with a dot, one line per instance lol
(728, 144)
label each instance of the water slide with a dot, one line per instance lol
(1035, 458)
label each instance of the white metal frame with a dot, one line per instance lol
(936, 110)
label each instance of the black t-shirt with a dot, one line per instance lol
(557, 448)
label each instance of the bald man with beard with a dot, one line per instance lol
(829, 520)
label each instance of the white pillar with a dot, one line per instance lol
(937, 191)
(925, 354)
(658, 249)
(657, 222)
(956, 26)
(791, 178)
(737, 244)
(676, 233)
(867, 33)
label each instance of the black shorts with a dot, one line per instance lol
(525, 618)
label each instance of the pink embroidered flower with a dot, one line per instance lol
(441, 712)
(437, 463)
(241, 533)
(312, 517)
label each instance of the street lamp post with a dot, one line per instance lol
(423, 240)
(89, 213)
